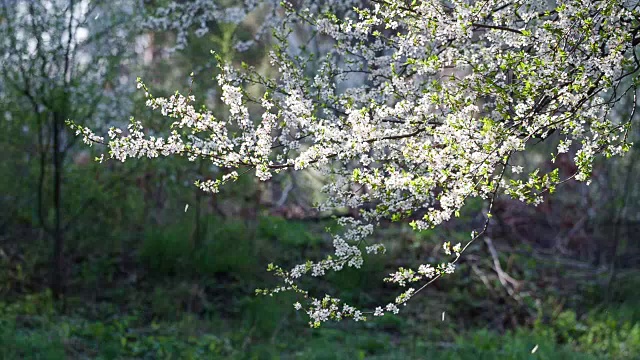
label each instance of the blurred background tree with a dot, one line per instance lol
(61, 60)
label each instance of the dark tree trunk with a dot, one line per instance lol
(199, 229)
(57, 259)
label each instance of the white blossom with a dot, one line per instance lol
(406, 110)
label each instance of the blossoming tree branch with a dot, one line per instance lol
(409, 109)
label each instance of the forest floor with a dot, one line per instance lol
(159, 295)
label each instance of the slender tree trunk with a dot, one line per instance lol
(199, 230)
(57, 259)
(617, 229)
(57, 276)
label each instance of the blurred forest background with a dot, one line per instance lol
(123, 261)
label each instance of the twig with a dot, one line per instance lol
(509, 283)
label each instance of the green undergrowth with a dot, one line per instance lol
(185, 297)
(31, 328)
(228, 246)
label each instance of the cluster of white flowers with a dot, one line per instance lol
(412, 108)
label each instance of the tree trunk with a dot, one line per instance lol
(197, 237)
(57, 260)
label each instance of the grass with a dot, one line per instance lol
(31, 327)
(258, 336)
(197, 302)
